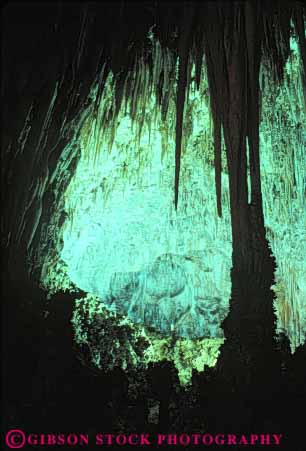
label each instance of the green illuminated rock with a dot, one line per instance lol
(122, 241)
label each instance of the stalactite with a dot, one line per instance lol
(218, 165)
(143, 99)
(169, 75)
(184, 47)
(119, 93)
(216, 85)
(146, 93)
(157, 67)
(253, 31)
(135, 92)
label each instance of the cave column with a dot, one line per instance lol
(250, 326)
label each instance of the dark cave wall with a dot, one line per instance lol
(35, 60)
(52, 54)
(41, 55)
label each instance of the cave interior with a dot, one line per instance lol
(153, 232)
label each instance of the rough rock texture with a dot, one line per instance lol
(116, 214)
(165, 297)
(106, 340)
(119, 217)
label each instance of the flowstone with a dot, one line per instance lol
(169, 295)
